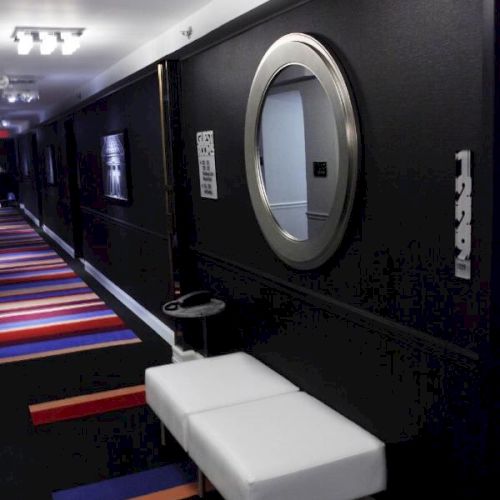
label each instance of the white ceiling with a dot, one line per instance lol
(113, 30)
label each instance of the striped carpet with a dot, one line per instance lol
(45, 308)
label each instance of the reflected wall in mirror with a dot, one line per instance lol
(298, 152)
(301, 150)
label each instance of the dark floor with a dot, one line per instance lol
(35, 462)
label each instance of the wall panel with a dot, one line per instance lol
(383, 331)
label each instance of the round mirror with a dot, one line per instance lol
(298, 152)
(301, 150)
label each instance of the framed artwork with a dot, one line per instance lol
(50, 165)
(115, 166)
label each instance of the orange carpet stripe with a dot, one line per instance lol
(68, 350)
(10, 306)
(38, 267)
(41, 289)
(31, 263)
(7, 258)
(176, 493)
(34, 279)
(88, 404)
(42, 310)
(86, 398)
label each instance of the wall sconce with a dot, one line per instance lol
(48, 39)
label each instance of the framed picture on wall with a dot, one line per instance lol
(50, 165)
(115, 167)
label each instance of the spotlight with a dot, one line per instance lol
(48, 43)
(71, 43)
(25, 43)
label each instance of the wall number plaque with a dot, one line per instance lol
(206, 164)
(463, 214)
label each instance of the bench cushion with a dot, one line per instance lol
(177, 390)
(288, 447)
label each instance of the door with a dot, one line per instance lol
(74, 187)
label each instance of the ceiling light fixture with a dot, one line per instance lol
(48, 43)
(48, 39)
(12, 96)
(71, 43)
(25, 43)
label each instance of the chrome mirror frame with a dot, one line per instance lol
(304, 50)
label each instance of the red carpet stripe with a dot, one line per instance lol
(60, 329)
(89, 404)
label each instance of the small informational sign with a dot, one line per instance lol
(206, 163)
(319, 168)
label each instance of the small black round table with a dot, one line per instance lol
(203, 311)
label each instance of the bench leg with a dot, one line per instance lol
(201, 484)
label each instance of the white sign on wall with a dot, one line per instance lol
(206, 163)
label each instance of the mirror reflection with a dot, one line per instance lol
(298, 152)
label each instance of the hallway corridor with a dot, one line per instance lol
(72, 372)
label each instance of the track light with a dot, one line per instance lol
(48, 39)
(48, 43)
(71, 43)
(12, 96)
(25, 43)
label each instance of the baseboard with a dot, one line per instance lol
(179, 355)
(140, 311)
(53, 236)
(35, 219)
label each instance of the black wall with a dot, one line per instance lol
(128, 242)
(383, 332)
(9, 177)
(8, 154)
(56, 198)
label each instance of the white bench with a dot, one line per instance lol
(178, 390)
(265, 442)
